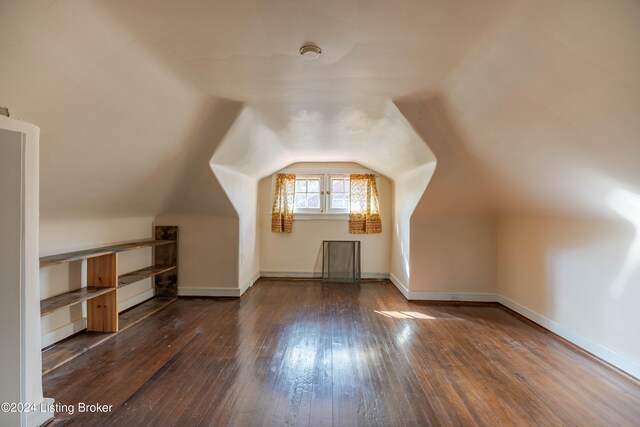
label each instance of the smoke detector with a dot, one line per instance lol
(310, 51)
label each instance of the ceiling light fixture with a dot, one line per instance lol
(310, 51)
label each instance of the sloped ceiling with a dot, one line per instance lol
(551, 102)
(527, 105)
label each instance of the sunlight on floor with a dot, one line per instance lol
(405, 315)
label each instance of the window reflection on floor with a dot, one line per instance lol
(405, 314)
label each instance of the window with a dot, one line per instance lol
(322, 194)
(338, 193)
(308, 194)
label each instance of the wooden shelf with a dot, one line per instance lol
(103, 281)
(49, 305)
(51, 260)
(145, 273)
(76, 345)
(139, 245)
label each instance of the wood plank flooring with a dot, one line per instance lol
(307, 353)
(67, 350)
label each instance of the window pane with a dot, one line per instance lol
(346, 185)
(301, 200)
(313, 200)
(301, 185)
(337, 185)
(314, 186)
(339, 201)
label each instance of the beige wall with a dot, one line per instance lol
(300, 251)
(407, 192)
(456, 254)
(242, 191)
(207, 251)
(583, 275)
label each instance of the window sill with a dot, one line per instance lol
(325, 216)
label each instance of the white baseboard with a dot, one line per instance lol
(404, 290)
(442, 296)
(615, 359)
(453, 296)
(250, 283)
(619, 361)
(63, 332)
(42, 415)
(292, 274)
(217, 292)
(379, 276)
(315, 274)
(209, 292)
(237, 292)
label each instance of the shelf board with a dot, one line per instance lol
(51, 260)
(138, 245)
(136, 276)
(76, 345)
(49, 305)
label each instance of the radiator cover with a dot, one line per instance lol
(341, 261)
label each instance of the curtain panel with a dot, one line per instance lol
(364, 210)
(282, 211)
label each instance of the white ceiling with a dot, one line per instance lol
(528, 105)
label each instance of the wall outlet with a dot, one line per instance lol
(455, 298)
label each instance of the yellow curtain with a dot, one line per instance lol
(364, 210)
(282, 211)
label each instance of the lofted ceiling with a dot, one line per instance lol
(527, 105)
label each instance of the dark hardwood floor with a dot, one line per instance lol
(307, 353)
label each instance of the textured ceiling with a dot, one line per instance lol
(528, 105)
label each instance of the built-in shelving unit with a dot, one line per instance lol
(67, 299)
(136, 276)
(101, 292)
(69, 349)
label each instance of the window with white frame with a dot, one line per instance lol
(338, 193)
(309, 194)
(322, 194)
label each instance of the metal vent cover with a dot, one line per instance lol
(341, 261)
